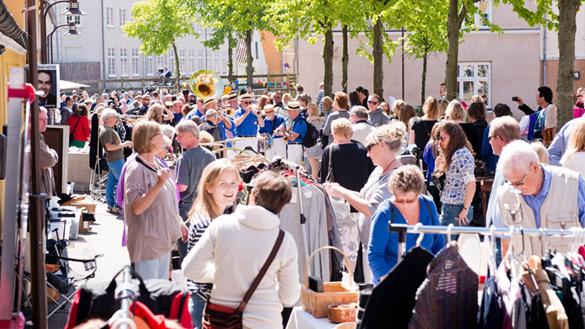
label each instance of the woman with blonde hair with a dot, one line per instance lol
(574, 157)
(455, 112)
(314, 153)
(327, 104)
(159, 113)
(542, 152)
(217, 190)
(398, 105)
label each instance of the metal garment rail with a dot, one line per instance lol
(500, 232)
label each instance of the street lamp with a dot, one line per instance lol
(72, 9)
(72, 31)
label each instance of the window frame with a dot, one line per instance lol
(475, 79)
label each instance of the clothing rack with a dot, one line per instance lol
(125, 293)
(492, 231)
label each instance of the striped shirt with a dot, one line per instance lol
(199, 223)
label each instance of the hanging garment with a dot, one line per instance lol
(309, 236)
(393, 299)
(491, 312)
(555, 312)
(334, 232)
(348, 229)
(448, 297)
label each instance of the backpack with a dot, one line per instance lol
(312, 135)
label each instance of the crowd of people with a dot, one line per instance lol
(171, 176)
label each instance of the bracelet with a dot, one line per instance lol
(465, 208)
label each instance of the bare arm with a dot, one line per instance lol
(181, 187)
(113, 147)
(238, 121)
(468, 198)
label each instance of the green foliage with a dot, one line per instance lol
(158, 23)
(541, 12)
(227, 16)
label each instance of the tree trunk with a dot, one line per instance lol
(230, 58)
(378, 54)
(424, 79)
(328, 62)
(566, 36)
(454, 22)
(249, 60)
(177, 68)
(344, 58)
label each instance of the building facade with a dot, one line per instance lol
(103, 52)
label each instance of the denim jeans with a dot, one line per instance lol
(449, 213)
(157, 268)
(196, 307)
(114, 170)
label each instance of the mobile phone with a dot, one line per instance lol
(515, 99)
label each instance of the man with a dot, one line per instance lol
(361, 127)
(502, 131)
(320, 96)
(48, 157)
(276, 98)
(114, 148)
(546, 115)
(247, 122)
(190, 166)
(559, 144)
(442, 91)
(537, 196)
(376, 114)
(145, 104)
(211, 125)
(66, 110)
(198, 110)
(177, 112)
(45, 84)
(294, 130)
(272, 120)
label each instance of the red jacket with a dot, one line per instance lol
(82, 132)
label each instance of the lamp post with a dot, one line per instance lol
(73, 10)
(72, 31)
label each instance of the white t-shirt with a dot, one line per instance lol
(576, 162)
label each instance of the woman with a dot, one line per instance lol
(383, 146)
(262, 101)
(286, 97)
(398, 104)
(407, 113)
(407, 206)
(574, 157)
(345, 161)
(315, 153)
(341, 110)
(455, 112)
(217, 190)
(458, 165)
(477, 125)
(150, 211)
(579, 108)
(542, 152)
(441, 108)
(79, 127)
(256, 227)
(327, 104)
(159, 113)
(420, 132)
(386, 109)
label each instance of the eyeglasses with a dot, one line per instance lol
(406, 201)
(520, 182)
(372, 102)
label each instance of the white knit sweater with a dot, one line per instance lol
(230, 254)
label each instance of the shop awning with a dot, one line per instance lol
(64, 85)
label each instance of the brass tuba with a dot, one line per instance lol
(204, 84)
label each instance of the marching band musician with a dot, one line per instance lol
(294, 130)
(272, 120)
(224, 124)
(247, 122)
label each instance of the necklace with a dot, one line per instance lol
(387, 169)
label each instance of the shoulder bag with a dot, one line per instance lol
(217, 316)
(330, 177)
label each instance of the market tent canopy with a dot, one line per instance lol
(64, 84)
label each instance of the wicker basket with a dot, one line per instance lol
(317, 303)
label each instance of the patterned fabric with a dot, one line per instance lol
(199, 224)
(460, 173)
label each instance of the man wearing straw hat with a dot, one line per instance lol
(247, 122)
(276, 144)
(294, 130)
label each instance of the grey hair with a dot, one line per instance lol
(359, 112)
(188, 126)
(391, 134)
(108, 113)
(517, 156)
(168, 131)
(43, 109)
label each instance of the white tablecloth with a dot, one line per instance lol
(300, 319)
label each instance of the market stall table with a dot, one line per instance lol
(299, 319)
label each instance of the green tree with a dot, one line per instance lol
(242, 17)
(158, 24)
(559, 16)
(219, 37)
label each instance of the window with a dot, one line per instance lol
(149, 65)
(135, 68)
(192, 60)
(171, 61)
(123, 62)
(183, 60)
(484, 11)
(111, 62)
(109, 16)
(474, 79)
(160, 62)
(74, 18)
(200, 64)
(123, 16)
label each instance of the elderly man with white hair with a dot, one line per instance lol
(537, 196)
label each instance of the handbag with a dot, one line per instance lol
(73, 131)
(330, 177)
(217, 316)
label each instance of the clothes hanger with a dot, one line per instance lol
(449, 230)
(421, 235)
